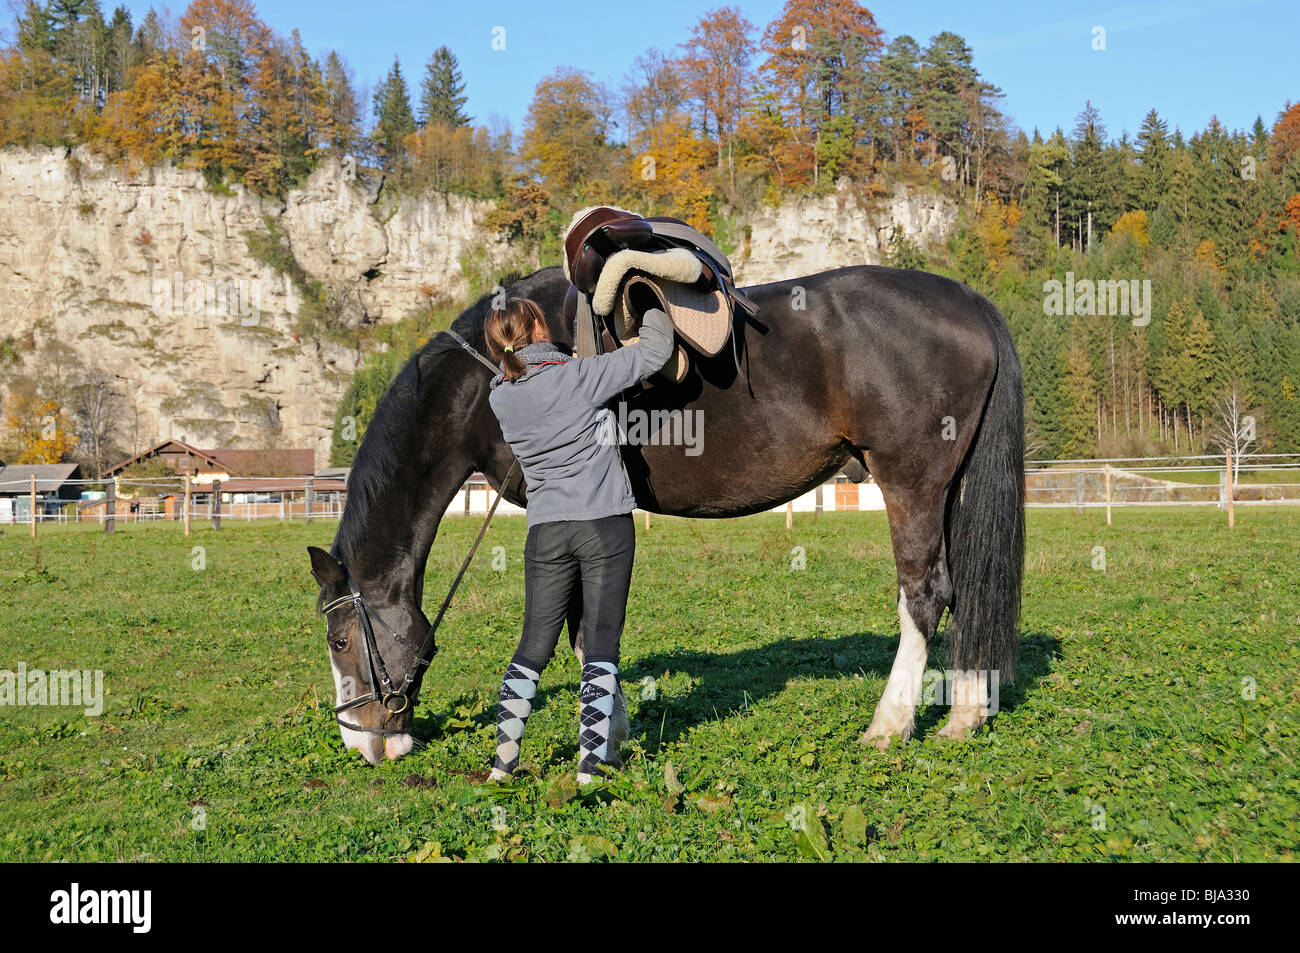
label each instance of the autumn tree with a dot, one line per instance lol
(716, 75)
(818, 53)
(653, 92)
(566, 137)
(38, 429)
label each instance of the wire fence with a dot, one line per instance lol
(1110, 483)
(1272, 478)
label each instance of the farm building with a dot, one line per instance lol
(55, 488)
(204, 466)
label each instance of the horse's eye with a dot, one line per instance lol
(339, 644)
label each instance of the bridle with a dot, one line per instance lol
(394, 700)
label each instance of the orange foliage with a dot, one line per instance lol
(671, 172)
(997, 221)
(791, 67)
(1133, 222)
(714, 66)
(1207, 252)
(42, 432)
(1290, 215)
(1286, 136)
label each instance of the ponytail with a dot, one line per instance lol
(508, 330)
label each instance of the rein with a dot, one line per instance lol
(395, 701)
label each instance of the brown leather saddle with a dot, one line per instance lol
(627, 263)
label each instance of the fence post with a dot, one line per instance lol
(185, 515)
(110, 509)
(789, 515)
(1108, 494)
(817, 511)
(1232, 522)
(31, 517)
(216, 504)
(311, 498)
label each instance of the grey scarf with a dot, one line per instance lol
(538, 352)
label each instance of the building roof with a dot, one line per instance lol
(264, 463)
(269, 462)
(50, 477)
(157, 448)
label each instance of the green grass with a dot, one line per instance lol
(1128, 737)
(1211, 477)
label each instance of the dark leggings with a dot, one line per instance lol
(563, 559)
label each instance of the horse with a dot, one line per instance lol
(906, 375)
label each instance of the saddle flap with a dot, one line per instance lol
(702, 316)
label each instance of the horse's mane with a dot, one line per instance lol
(377, 458)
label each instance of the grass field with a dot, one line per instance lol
(1211, 477)
(1156, 717)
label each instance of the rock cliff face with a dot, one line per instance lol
(816, 234)
(147, 276)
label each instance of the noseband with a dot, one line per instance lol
(393, 700)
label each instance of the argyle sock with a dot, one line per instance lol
(599, 686)
(518, 689)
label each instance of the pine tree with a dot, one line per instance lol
(35, 30)
(947, 77)
(1077, 394)
(1153, 155)
(393, 118)
(442, 92)
(148, 40)
(1091, 202)
(342, 123)
(898, 88)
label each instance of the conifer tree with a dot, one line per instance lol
(442, 91)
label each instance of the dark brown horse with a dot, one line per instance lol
(907, 374)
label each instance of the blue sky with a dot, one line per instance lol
(1190, 59)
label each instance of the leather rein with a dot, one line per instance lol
(395, 701)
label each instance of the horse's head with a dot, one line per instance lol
(376, 644)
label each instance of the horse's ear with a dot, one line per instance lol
(326, 568)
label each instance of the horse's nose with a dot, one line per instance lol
(395, 746)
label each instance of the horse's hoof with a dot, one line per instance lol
(955, 731)
(879, 741)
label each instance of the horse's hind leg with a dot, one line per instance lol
(916, 528)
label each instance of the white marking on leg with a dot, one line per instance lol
(897, 708)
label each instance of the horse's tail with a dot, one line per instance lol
(987, 526)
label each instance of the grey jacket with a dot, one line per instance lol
(555, 419)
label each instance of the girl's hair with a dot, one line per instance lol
(512, 327)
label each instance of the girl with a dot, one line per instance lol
(551, 406)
